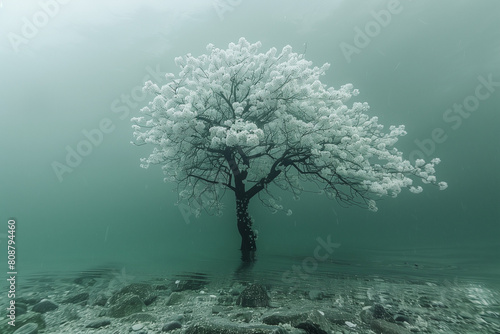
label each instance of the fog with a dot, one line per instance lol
(71, 74)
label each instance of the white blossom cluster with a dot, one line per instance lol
(271, 111)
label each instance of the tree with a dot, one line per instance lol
(247, 122)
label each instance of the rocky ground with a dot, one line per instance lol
(99, 302)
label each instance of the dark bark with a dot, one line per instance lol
(248, 236)
(244, 221)
(243, 197)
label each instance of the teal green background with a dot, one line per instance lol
(75, 70)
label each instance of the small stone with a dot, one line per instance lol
(253, 296)
(76, 299)
(234, 292)
(465, 315)
(30, 328)
(137, 327)
(142, 290)
(319, 318)
(316, 295)
(175, 298)
(437, 303)
(401, 318)
(310, 328)
(379, 312)
(217, 309)
(150, 299)
(384, 327)
(191, 281)
(427, 302)
(179, 318)
(44, 306)
(171, 326)
(339, 317)
(126, 305)
(98, 323)
(350, 324)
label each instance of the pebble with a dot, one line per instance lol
(126, 305)
(137, 327)
(175, 298)
(171, 326)
(44, 306)
(217, 309)
(76, 299)
(379, 312)
(254, 295)
(401, 318)
(316, 295)
(98, 323)
(466, 315)
(384, 327)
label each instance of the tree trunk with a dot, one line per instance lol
(248, 236)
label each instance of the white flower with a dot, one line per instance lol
(442, 185)
(372, 206)
(416, 190)
(431, 179)
(252, 139)
(419, 162)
